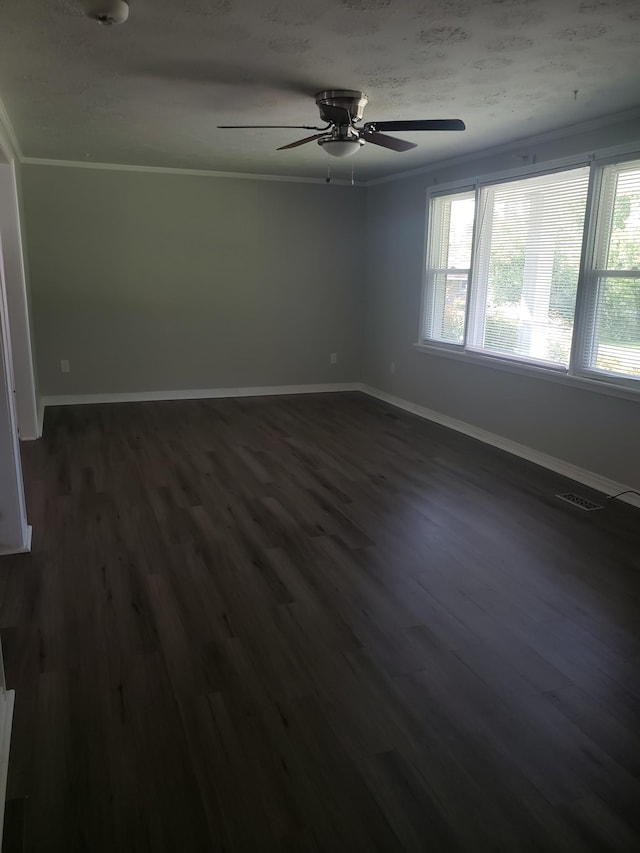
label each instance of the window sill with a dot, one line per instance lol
(547, 374)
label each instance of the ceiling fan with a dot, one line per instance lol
(342, 109)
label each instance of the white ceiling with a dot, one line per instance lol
(152, 91)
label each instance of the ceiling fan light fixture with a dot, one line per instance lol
(341, 147)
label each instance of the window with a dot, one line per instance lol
(613, 322)
(506, 277)
(449, 266)
(527, 265)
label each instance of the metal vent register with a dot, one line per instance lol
(579, 501)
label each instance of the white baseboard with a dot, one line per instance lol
(198, 394)
(21, 549)
(7, 699)
(566, 469)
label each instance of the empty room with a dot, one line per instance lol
(319, 426)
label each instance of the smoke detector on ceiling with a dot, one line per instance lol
(107, 12)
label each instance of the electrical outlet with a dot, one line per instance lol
(392, 367)
(334, 357)
(64, 365)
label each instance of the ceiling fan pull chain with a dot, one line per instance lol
(353, 182)
(328, 178)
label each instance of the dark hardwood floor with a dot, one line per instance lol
(315, 624)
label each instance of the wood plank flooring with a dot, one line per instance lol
(315, 624)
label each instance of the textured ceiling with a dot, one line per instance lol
(151, 92)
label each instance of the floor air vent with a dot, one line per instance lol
(579, 501)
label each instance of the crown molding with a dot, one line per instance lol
(505, 148)
(10, 145)
(513, 146)
(167, 170)
(8, 139)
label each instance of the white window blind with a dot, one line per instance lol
(510, 274)
(526, 268)
(448, 265)
(613, 319)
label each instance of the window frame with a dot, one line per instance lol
(590, 276)
(578, 372)
(429, 273)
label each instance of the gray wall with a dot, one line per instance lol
(588, 429)
(166, 282)
(151, 282)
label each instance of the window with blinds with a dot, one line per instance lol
(613, 313)
(448, 266)
(527, 264)
(508, 276)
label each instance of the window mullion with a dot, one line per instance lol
(587, 282)
(480, 269)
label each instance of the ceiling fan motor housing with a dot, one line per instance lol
(341, 106)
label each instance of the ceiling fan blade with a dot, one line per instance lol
(420, 124)
(385, 141)
(301, 141)
(260, 126)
